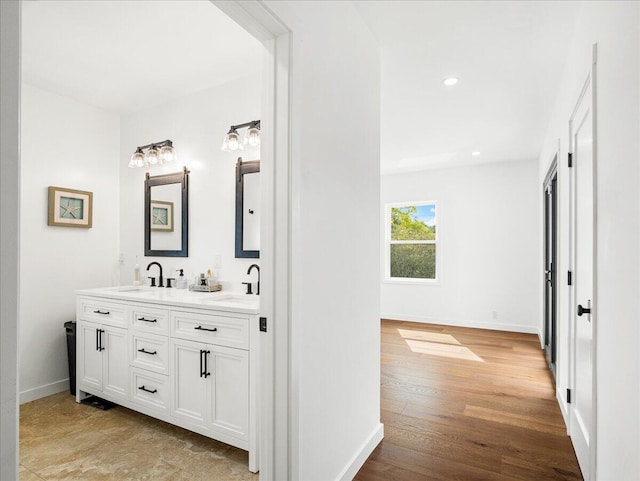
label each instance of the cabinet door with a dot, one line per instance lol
(229, 405)
(89, 356)
(189, 386)
(115, 369)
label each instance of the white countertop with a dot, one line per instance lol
(219, 301)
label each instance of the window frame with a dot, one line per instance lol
(388, 242)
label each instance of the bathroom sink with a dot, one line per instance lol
(131, 289)
(236, 299)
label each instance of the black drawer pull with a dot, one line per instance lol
(142, 388)
(98, 311)
(148, 352)
(200, 328)
(147, 320)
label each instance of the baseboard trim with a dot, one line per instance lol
(462, 323)
(350, 471)
(44, 391)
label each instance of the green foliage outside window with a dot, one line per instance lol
(413, 260)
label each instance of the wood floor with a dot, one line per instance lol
(467, 404)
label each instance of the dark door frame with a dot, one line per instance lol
(550, 196)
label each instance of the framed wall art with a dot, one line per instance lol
(70, 207)
(161, 216)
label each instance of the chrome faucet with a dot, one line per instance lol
(160, 280)
(249, 272)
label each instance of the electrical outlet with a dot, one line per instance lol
(494, 314)
(121, 259)
(217, 261)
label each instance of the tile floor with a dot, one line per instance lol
(63, 440)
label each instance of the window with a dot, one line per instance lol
(411, 241)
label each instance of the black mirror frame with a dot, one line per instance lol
(243, 168)
(177, 178)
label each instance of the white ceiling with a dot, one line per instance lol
(128, 55)
(508, 56)
(125, 56)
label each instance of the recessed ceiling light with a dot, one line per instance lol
(475, 153)
(450, 81)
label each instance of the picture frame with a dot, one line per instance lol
(161, 216)
(70, 207)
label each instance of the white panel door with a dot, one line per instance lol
(189, 389)
(89, 362)
(581, 413)
(115, 362)
(229, 408)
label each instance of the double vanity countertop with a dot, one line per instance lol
(219, 301)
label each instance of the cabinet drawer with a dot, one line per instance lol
(150, 319)
(213, 329)
(151, 352)
(105, 312)
(150, 390)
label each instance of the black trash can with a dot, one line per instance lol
(70, 327)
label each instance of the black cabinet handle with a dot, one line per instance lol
(203, 363)
(147, 320)
(583, 310)
(99, 340)
(200, 328)
(98, 311)
(206, 369)
(142, 388)
(148, 352)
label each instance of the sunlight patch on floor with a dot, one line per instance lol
(443, 350)
(436, 344)
(428, 336)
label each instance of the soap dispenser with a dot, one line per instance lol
(136, 273)
(181, 283)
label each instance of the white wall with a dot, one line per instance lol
(614, 26)
(65, 144)
(488, 242)
(196, 124)
(9, 234)
(335, 250)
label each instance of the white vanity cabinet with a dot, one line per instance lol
(103, 359)
(102, 346)
(211, 388)
(182, 360)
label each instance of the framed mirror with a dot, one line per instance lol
(247, 209)
(166, 214)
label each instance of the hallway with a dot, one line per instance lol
(467, 404)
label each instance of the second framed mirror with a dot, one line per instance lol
(247, 209)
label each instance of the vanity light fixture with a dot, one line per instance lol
(251, 138)
(151, 154)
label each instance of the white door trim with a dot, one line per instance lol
(590, 81)
(277, 456)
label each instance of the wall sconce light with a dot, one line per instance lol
(156, 153)
(251, 138)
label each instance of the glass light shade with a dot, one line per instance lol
(231, 141)
(167, 154)
(252, 137)
(151, 157)
(137, 159)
